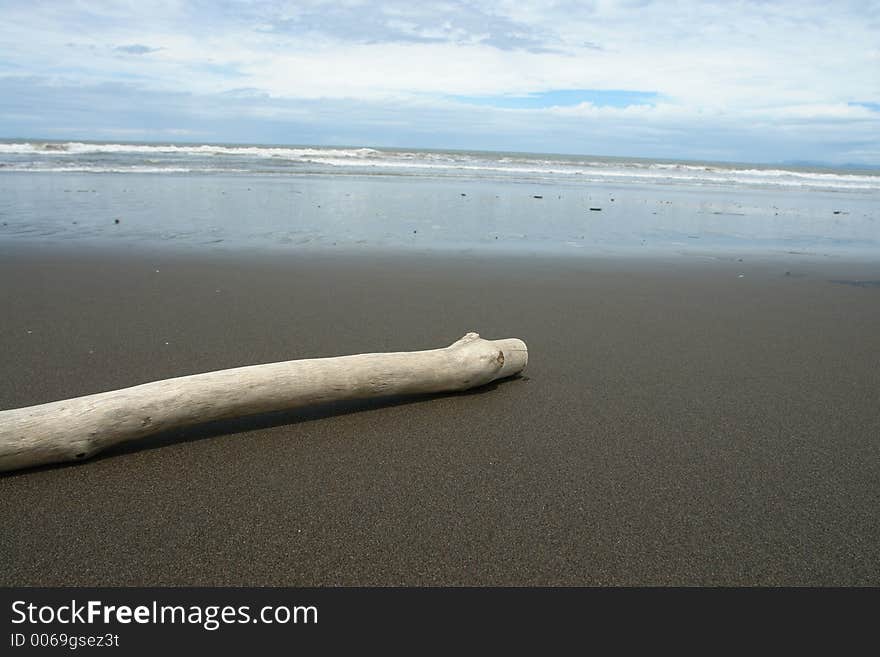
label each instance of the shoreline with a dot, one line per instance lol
(350, 213)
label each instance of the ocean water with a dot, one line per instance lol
(222, 196)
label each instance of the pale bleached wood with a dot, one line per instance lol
(75, 429)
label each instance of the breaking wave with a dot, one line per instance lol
(84, 157)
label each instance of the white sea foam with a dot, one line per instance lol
(81, 148)
(129, 169)
(194, 158)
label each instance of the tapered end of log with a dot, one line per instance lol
(512, 354)
(516, 357)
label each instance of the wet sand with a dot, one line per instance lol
(682, 421)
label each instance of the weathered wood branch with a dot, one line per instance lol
(75, 429)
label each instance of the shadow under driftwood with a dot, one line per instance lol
(259, 421)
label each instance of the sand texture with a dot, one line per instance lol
(681, 421)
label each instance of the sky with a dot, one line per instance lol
(737, 80)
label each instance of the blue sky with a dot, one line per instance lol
(735, 80)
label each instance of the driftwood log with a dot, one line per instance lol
(75, 429)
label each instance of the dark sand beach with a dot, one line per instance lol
(687, 420)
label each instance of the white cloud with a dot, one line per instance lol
(780, 66)
(698, 53)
